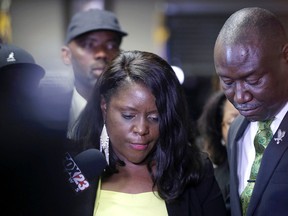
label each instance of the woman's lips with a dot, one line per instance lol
(138, 146)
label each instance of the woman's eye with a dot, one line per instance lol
(128, 116)
(154, 118)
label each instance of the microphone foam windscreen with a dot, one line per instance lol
(91, 162)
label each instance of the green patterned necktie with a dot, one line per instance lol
(261, 140)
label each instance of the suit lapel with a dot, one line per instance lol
(270, 160)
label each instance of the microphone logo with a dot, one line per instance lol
(76, 179)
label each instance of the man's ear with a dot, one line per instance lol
(66, 55)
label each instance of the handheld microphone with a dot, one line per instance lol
(85, 167)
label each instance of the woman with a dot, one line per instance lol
(138, 117)
(213, 124)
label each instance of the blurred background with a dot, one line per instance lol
(181, 31)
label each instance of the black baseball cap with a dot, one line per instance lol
(92, 20)
(18, 59)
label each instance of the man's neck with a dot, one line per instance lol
(84, 92)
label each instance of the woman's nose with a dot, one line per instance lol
(141, 127)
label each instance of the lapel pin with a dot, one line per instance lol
(280, 135)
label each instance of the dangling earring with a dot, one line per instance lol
(223, 142)
(104, 143)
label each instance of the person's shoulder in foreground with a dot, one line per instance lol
(30, 153)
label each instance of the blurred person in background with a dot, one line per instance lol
(93, 39)
(213, 125)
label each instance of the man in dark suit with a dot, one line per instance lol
(251, 60)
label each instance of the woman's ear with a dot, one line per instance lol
(66, 55)
(103, 107)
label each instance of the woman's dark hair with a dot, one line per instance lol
(210, 127)
(178, 159)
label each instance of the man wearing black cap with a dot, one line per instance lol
(19, 72)
(93, 39)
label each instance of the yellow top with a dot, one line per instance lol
(110, 203)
